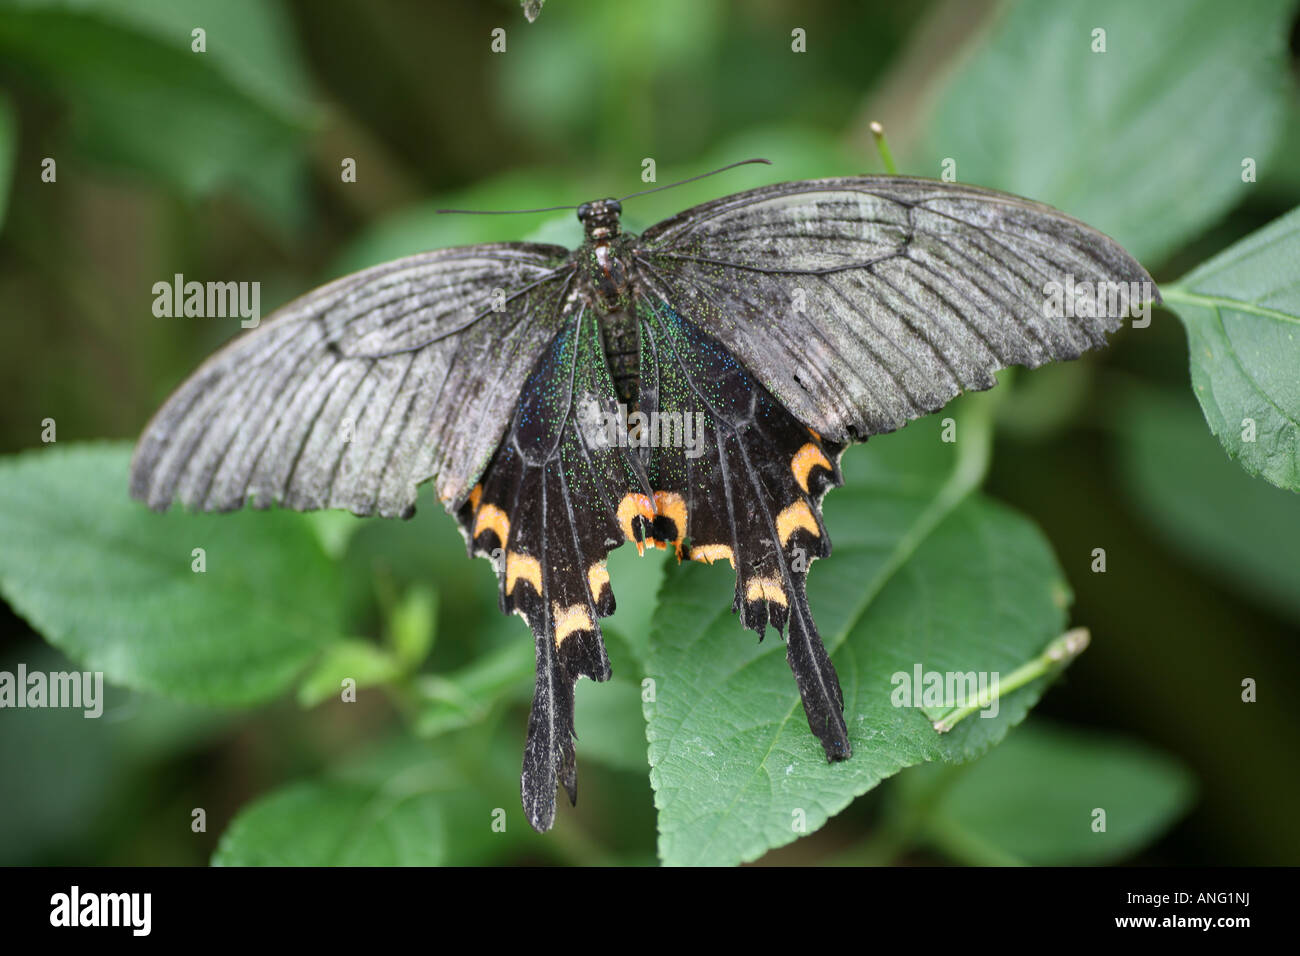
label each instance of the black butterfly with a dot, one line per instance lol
(778, 325)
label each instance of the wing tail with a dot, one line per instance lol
(819, 685)
(549, 756)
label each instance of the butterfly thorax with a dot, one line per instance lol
(605, 258)
(605, 264)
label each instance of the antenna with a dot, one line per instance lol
(682, 182)
(504, 212)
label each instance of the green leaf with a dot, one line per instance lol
(925, 572)
(406, 803)
(1244, 532)
(234, 116)
(112, 584)
(346, 824)
(1033, 799)
(636, 579)
(1206, 82)
(1242, 314)
(356, 660)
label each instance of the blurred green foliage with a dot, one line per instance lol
(1110, 110)
(226, 164)
(1036, 800)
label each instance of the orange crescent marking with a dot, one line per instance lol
(630, 507)
(798, 515)
(474, 497)
(805, 460)
(522, 566)
(671, 506)
(765, 589)
(492, 518)
(568, 620)
(708, 553)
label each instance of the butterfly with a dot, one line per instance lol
(690, 388)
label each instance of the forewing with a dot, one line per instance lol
(864, 302)
(356, 393)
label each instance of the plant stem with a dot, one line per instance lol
(1058, 653)
(882, 144)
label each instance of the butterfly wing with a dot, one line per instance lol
(799, 317)
(864, 302)
(549, 507)
(737, 478)
(785, 321)
(354, 394)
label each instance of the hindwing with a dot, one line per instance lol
(546, 511)
(736, 477)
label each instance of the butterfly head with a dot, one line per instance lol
(600, 218)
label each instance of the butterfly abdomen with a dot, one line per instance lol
(622, 338)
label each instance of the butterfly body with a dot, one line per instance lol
(621, 335)
(690, 389)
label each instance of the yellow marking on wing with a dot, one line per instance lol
(671, 505)
(523, 566)
(568, 620)
(629, 508)
(708, 553)
(798, 515)
(492, 518)
(475, 496)
(805, 460)
(765, 589)
(597, 579)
